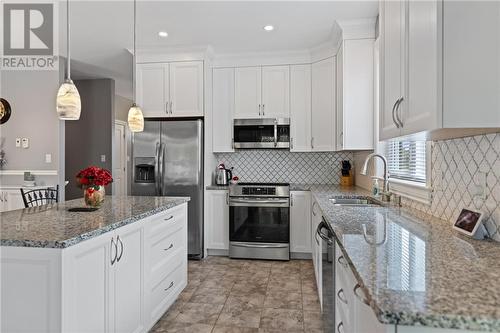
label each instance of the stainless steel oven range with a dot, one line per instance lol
(259, 221)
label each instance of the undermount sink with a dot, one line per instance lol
(361, 201)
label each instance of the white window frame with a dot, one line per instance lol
(417, 191)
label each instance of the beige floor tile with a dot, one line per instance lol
(282, 319)
(309, 287)
(310, 302)
(197, 313)
(247, 302)
(238, 317)
(186, 295)
(312, 320)
(248, 288)
(284, 285)
(226, 329)
(210, 296)
(283, 300)
(178, 327)
(218, 283)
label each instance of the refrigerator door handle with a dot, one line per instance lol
(161, 171)
(157, 169)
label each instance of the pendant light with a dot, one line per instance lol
(68, 101)
(135, 117)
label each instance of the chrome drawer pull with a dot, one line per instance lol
(362, 299)
(170, 286)
(341, 324)
(171, 217)
(341, 260)
(168, 248)
(341, 298)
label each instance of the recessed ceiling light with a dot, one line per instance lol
(163, 34)
(269, 28)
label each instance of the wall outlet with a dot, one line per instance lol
(18, 142)
(103, 158)
(25, 143)
(48, 158)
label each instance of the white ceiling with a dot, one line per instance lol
(102, 30)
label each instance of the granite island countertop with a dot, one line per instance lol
(413, 267)
(53, 226)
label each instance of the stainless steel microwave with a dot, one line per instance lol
(262, 133)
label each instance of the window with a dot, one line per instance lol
(408, 165)
(407, 160)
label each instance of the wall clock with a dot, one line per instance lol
(5, 110)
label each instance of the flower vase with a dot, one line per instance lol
(94, 196)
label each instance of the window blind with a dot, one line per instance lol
(406, 160)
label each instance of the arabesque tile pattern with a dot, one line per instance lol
(249, 296)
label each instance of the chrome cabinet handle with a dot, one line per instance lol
(314, 203)
(259, 109)
(170, 286)
(166, 107)
(168, 248)
(397, 112)
(362, 299)
(341, 324)
(263, 112)
(232, 143)
(341, 298)
(323, 236)
(291, 143)
(227, 198)
(393, 114)
(341, 260)
(168, 218)
(111, 249)
(171, 107)
(121, 248)
(312, 143)
(291, 200)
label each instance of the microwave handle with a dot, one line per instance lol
(275, 132)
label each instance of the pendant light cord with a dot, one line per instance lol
(133, 56)
(68, 55)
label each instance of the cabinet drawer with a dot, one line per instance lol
(160, 223)
(164, 293)
(167, 246)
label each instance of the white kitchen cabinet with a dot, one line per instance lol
(152, 89)
(248, 92)
(217, 225)
(223, 109)
(170, 89)
(323, 122)
(355, 74)
(392, 70)
(186, 89)
(316, 248)
(276, 91)
(300, 221)
(11, 199)
(428, 84)
(300, 108)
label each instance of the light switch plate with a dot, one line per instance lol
(103, 158)
(18, 142)
(25, 143)
(48, 158)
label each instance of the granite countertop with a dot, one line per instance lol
(414, 268)
(53, 226)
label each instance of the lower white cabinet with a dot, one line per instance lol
(10, 200)
(300, 221)
(121, 281)
(316, 248)
(217, 221)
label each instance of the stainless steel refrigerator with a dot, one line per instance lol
(167, 160)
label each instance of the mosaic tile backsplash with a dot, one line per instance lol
(284, 166)
(459, 166)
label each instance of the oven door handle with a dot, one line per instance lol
(260, 203)
(262, 246)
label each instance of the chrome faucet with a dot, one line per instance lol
(385, 191)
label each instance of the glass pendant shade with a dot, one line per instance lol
(69, 105)
(135, 119)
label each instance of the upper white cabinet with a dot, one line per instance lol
(170, 89)
(223, 109)
(300, 108)
(438, 65)
(323, 122)
(217, 223)
(262, 92)
(247, 92)
(276, 91)
(300, 221)
(355, 74)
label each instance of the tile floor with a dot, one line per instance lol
(248, 296)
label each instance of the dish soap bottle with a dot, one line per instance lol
(375, 187)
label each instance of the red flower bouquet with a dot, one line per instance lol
(93, 180)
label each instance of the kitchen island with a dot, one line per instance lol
(408, 270)
(115, 269)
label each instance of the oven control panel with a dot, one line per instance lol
(258, 191)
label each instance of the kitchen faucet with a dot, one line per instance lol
(385, 191)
